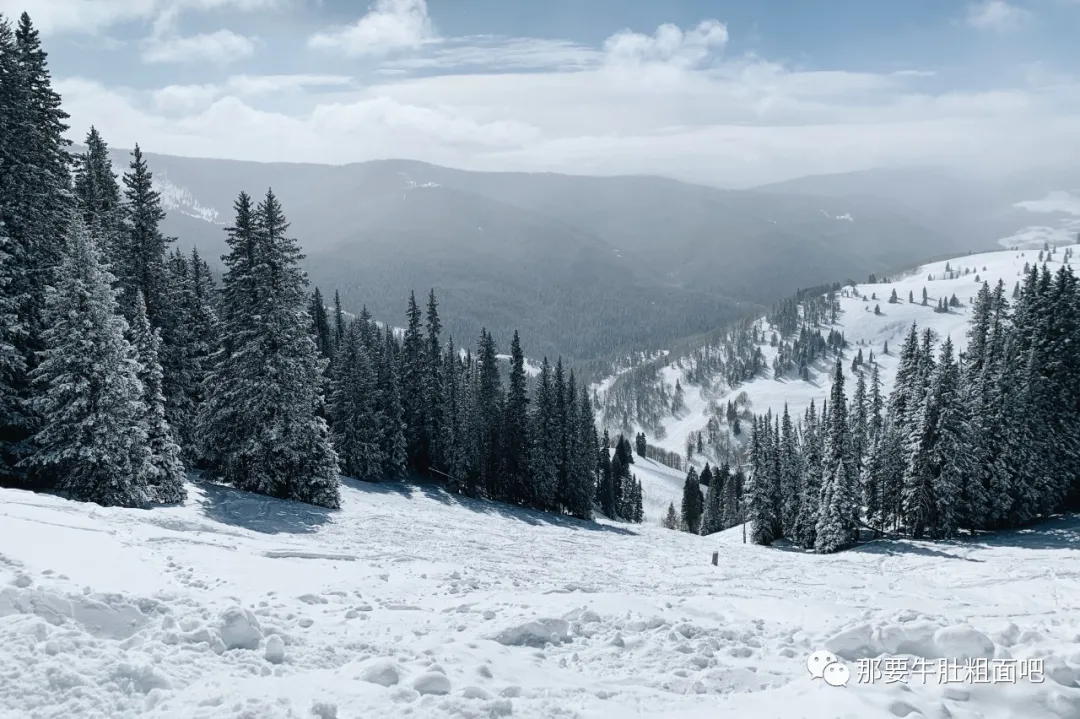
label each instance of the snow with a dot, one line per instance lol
(863, 330)
(395, 605)
(175, 198)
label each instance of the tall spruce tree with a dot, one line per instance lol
(165, 479)
(260, 426)
(354, 408)
(692, 502)
(543, 461)
(93, 442)
(392, 442)
(838, 512)
(760, 501)
(433, 394)
(414, 375)
(515, 429)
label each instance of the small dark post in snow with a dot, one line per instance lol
(716, 559)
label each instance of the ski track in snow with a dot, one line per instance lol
(412, 603)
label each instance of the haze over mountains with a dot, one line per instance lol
(591, 267)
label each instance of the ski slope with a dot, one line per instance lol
(863, 330)
(411, 603)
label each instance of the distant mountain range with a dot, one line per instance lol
(586, 267)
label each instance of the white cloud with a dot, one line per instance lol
(996, 15)
(494, 52)
(221, 47)
(664, 103)
(186, 98)
(91, 16)
(388, 25)
(668, 45)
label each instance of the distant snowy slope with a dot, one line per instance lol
(863, 329)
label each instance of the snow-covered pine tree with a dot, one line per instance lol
(951, 459)
(414, 376)
(339, 321)
(761, 511)
(543, 461)
(320, 325)
(35, 206)
(838, 512)
(433, 383)
(488, 414)
(166, 477)
(692, 502)
(11, 364)
(392, 442)
(452, 439)
(259, 426)
(515, 429)
(356, 422)
(93, 442)
(141, 250)
(97, 193)
(810, 497)
(790, 476)
(587, 445)
(712, 519)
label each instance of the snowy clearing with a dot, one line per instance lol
(863, 329)
(410, 602)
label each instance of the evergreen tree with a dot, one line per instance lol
(141, 253)
(259, 426)
(838, 511)
(339, 321)
(392, 443)
(320, 325)
(488, 409)
(761, 510)
(606, 487)
(165, 478)
(790, 476)
(93, 443)
(641, 444)
(35, 208)
(433, 383)
(544, 463)
(353, 407)
(692, 503)
(712, 519)
(97, 193)
(414, 376)
(515, 429)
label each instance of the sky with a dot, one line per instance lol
(723, 92)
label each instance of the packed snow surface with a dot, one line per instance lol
(412, 603)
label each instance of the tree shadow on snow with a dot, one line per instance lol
(260, 513)
(1055, 533)
(437, 492)
(902, 547)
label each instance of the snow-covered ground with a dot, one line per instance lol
(866, 331)
(410, 603)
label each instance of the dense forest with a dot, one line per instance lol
(122, 365)
(987, 440)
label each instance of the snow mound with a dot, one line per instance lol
(275, 649)
(240, 629)
(915, 637)
(535, 634)
(381, 671)
(432, 683)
